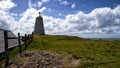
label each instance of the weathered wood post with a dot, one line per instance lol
(32, 37)
(25, 41)
(29, 39)
(20, 51)
(6, 49)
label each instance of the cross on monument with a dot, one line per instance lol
(39, 13)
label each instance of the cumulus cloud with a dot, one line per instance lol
(23, 25)
(64, 2)
(99, 21)
(38, 4)
(27, 21)
(45, 1)
(73, 5)
(4, 14)
(49, 10)
(6, 4)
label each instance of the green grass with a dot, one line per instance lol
(92, 53)
(12, 53)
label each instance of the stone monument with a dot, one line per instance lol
(39, 26)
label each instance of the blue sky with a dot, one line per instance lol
(84, 18)
(65, 8)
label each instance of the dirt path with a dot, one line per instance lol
(44, 60)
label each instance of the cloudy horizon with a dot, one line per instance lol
(84, 20)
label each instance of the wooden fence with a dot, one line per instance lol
(26, 41)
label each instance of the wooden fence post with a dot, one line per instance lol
(20, 51)
(32, 36)
(28, 39)
(25, 41)
(6, 49)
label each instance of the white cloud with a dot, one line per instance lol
(64, 2)
(49, 10)
(29, 3)
(73, 5)
(27, 21)
(6, 4)
(98, 21)
(5, 16)
(60, 14)
(45, 1)
(38, 4)
(13, 14)
(24, 25)
(42, 9)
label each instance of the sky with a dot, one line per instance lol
(83, 18)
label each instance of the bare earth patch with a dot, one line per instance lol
(43, 60)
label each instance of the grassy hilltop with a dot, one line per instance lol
(91, 53)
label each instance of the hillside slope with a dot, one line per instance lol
(92, 53)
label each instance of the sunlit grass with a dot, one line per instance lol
(92, 53)
(13, 52)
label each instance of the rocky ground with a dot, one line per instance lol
(43, 60)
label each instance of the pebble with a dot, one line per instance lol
(38, 60)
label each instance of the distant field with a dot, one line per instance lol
(92, 53)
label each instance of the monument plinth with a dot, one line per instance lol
(39, 26)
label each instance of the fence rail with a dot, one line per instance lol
(27, 39)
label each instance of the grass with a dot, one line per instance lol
(92, 53)
(12, 53)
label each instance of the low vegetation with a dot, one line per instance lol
(91, 53)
